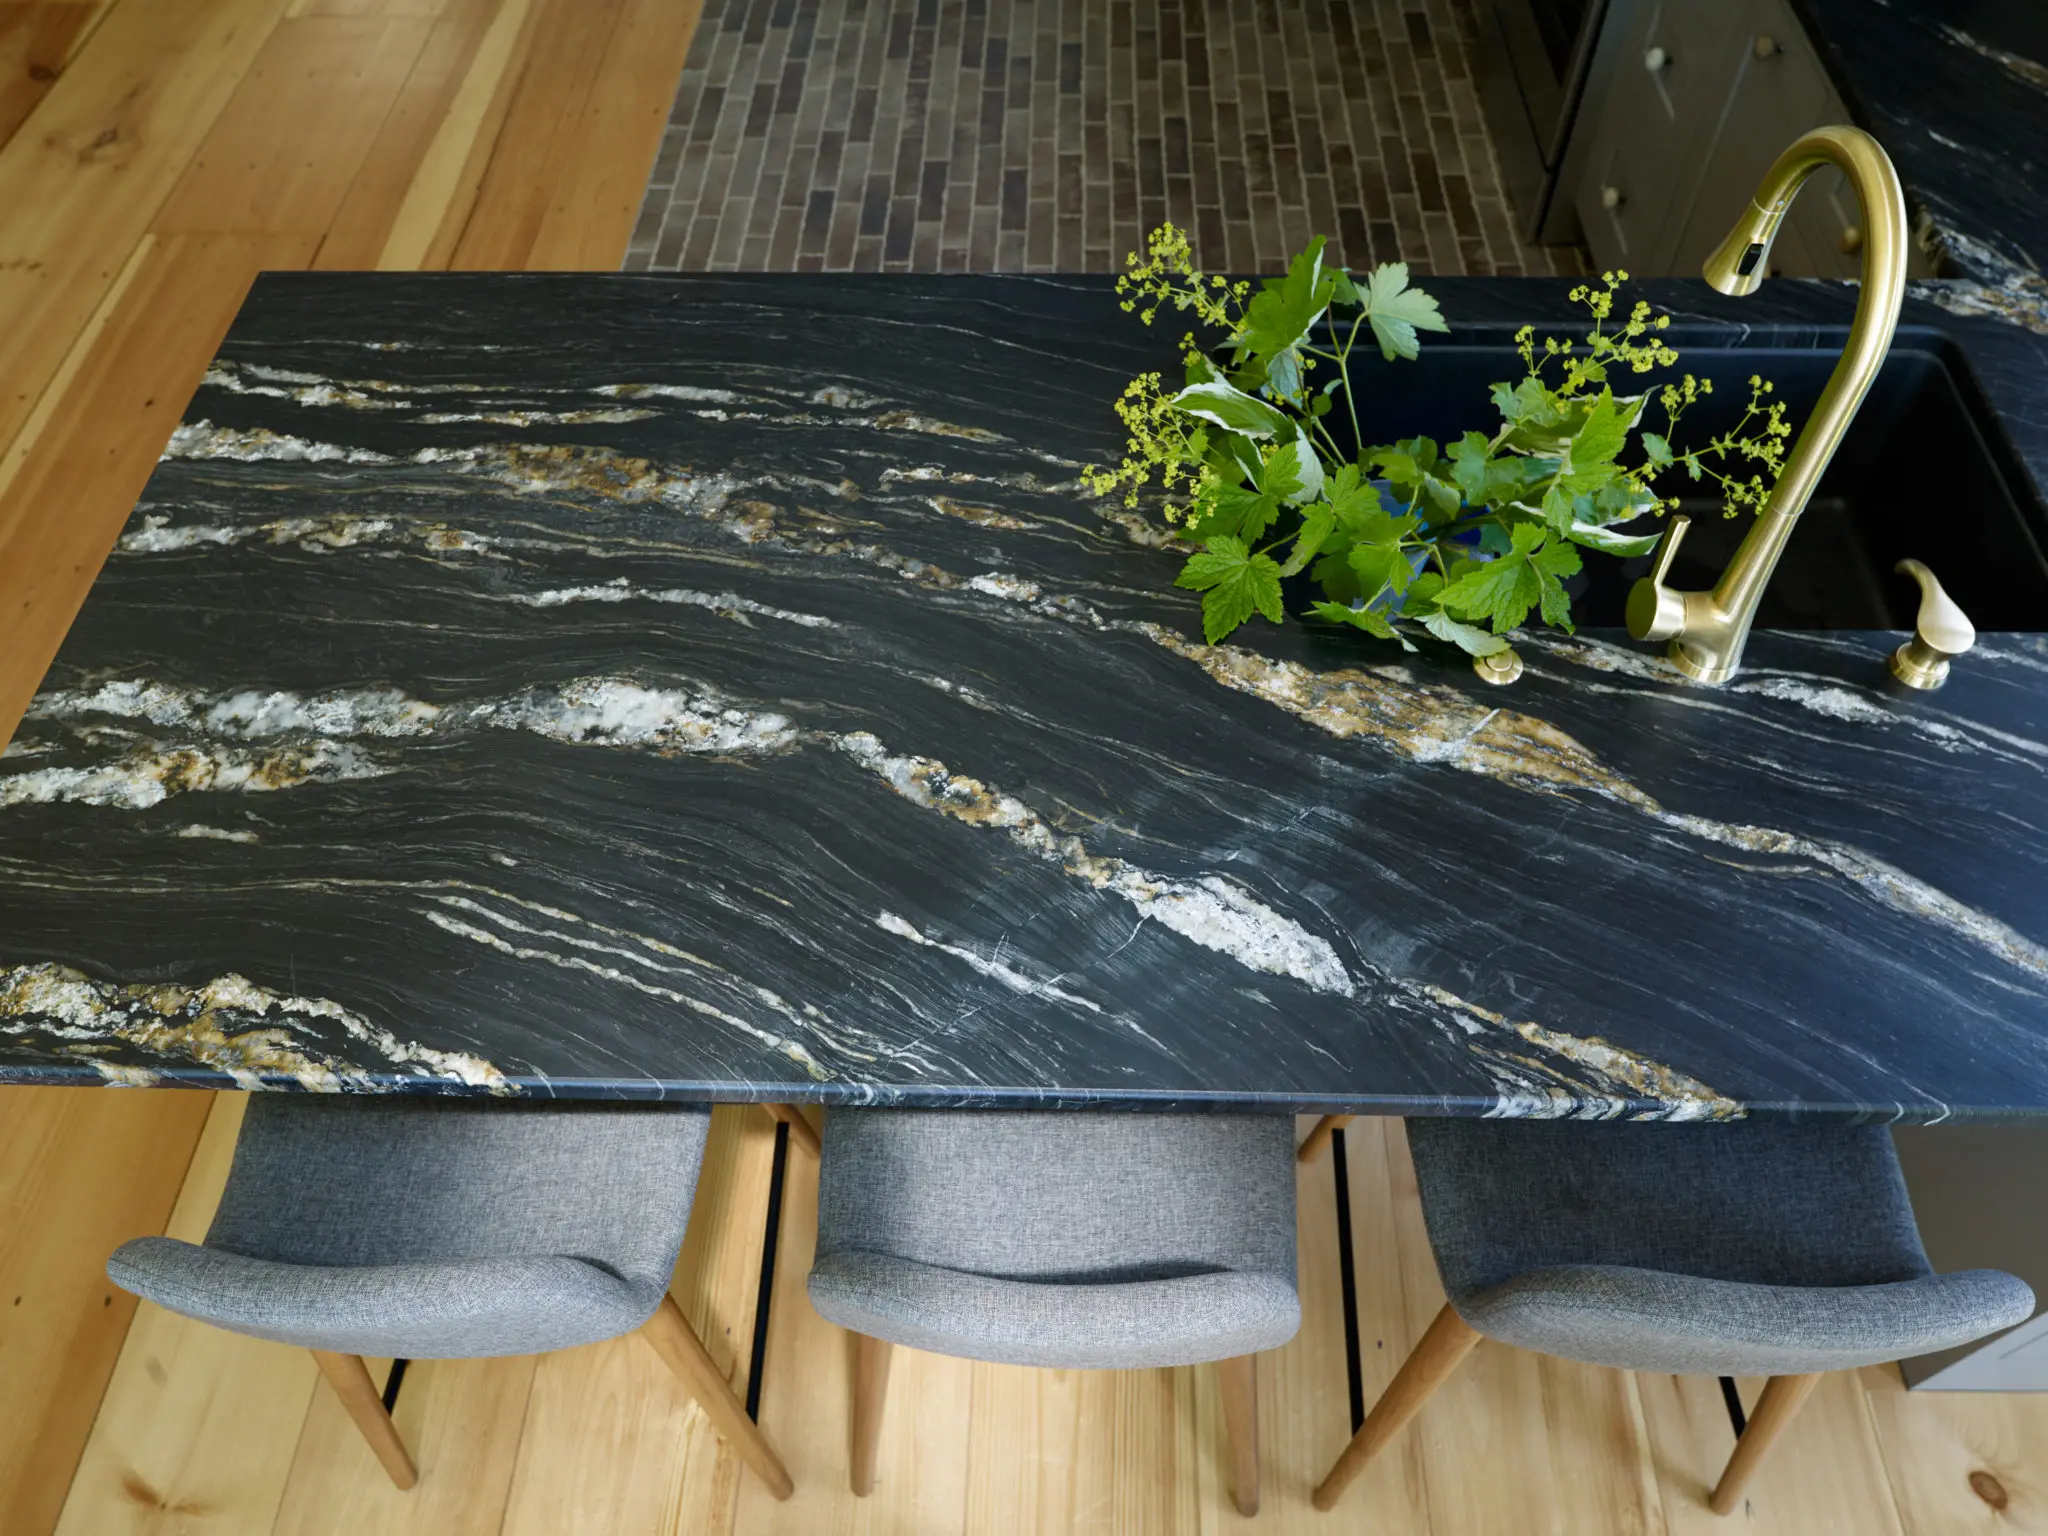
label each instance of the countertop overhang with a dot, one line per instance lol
(717, 687)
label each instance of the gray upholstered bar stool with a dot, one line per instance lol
(450, 1229)
(1075, 1240)
(1760, 1248)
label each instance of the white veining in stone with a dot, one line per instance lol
(992, 967)
(1211, 911)
(726, 604)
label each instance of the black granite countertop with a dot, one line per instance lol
(718, 687)
(1958, 94)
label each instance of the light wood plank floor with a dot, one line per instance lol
(202, 1431)
(154, 155)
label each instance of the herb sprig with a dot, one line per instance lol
(1466, 540)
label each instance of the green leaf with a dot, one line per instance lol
(1527, 402)
(1397, 468)
(1380, 566)
(1470, 456)
(1316, 526)
(1232, 409)
(1657, 450)
(1411, 468)
(1293, 472)
(1589, 458)
(1551, 564)
(1234, 583)
(1283, 375)
(1501, 592)
(1344, 291)
(1397, 311)
(1333, 572)
(1233, 512)
(1609, 542)
(1284, 311)
(1233, 456)
(1558, 508)
(1360, 618)
(1504, 590)
(1351, 495)
(1474, 640)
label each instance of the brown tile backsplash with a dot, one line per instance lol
(1047, 135)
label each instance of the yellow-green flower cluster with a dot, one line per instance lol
(1164, 441)
(1166, 275)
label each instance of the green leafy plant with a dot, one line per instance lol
(1467, 539)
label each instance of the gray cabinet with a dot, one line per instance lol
(1704, 95)
(1648, 151)
(1978, 1191)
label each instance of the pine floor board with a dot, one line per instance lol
(154, 156)
(600, 1439)
(462, 1420)
(199, 1426)
(61, 1322)
(1962, 1462)
(62, 511)
(286, 149)
(419, 112)
(87, 171)
(807, 1395)
(38, 39)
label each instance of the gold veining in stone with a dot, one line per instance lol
(1430, 724)
(981, 517)
(221, 1025)
(1679, 1095)
(143, 779)
(1423, 722)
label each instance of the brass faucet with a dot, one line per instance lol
(1708, 630)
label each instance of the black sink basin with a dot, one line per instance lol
(1923, 472)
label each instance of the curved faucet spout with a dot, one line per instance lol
(1708, 630)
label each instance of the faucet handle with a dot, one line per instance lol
(1940, 632)
(1655, 612)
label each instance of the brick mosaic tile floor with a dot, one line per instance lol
(1046, 135)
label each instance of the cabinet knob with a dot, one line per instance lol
(1611, 198)
(1766, 47)
(1655, 59)
(1852, 240)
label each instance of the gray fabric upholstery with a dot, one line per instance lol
(1062, 1238)
(1756, 1248)
(436, 1228)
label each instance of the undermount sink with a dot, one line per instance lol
(1924, 472)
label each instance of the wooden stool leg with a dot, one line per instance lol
(800, 1131)
(871, 1358)
(678, 1345)
(1443, 1348)
(1783, 1397)
(1319, 1138)
(1241, 1423)
(350, 1379)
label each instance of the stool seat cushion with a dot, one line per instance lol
(1069, 1239)
(460, 1310)
(436, 1228)
(1765, 1247)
